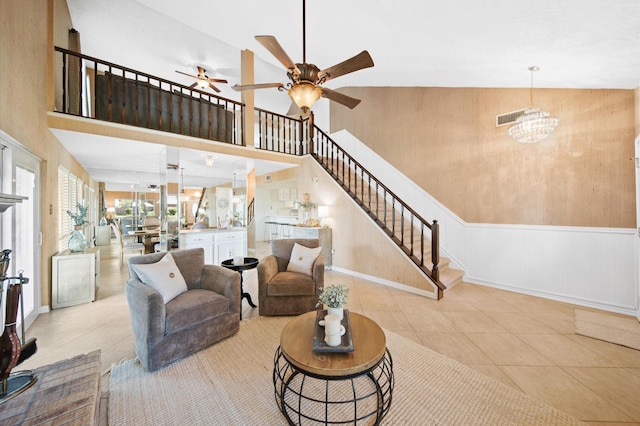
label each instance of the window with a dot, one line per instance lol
(69, 195)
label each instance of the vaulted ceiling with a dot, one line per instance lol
(455, 43)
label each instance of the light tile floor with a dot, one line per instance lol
(526, 342)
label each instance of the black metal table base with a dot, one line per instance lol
(249, 263)
(16, 383)
(360, 399)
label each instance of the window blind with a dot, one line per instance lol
(69, 194)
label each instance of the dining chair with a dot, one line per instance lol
(151, 222)
(126, 247)
(115, 225)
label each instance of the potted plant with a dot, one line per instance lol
(77, 241)
(334, 297)
(307, 207)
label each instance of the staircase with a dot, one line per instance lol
(417, 238)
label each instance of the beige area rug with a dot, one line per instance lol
(623, 331)
(230, 383)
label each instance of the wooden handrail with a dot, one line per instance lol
(148, 101)
(386, 209)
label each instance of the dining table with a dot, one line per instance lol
(145, 236)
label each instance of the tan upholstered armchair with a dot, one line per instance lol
(281, 292)
(206, 311)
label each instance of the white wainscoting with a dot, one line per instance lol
(593, 267)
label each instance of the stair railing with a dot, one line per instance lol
(251, 212)
(119, 94)
(406, 228)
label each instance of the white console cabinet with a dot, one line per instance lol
(103, 235)
(75, 277)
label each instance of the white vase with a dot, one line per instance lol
(336, 311)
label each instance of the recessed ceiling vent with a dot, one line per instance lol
(267, 178)
(509, 117)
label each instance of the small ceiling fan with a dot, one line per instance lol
(203, 80)
(306, 82)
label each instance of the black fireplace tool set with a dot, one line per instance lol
(13, 350)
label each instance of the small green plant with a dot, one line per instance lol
(80, 218)
(334, 296)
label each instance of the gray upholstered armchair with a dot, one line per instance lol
(207, 312)
(281, 292)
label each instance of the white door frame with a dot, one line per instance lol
(17, 156)
(637, 170)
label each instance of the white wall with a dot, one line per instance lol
(593, 267)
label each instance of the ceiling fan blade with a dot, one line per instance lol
(272, 45)
(358, 62)
(240, 88)
(193, 85)
(189, 75)
(217, 80)
(214, 88)
(338, 97)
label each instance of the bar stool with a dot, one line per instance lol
(287, 230)
(271, 231)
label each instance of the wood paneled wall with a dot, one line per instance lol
(445, 139)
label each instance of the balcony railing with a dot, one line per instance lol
(279, 133)
(94, 88)
(105, 91)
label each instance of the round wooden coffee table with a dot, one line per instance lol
(333, 388)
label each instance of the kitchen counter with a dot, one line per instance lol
(209, 230)
(218, 244)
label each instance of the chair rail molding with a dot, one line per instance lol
(594, 267)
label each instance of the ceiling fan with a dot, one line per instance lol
(306, 82)
(203, 80)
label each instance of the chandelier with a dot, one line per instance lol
(534, 125)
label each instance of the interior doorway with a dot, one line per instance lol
(637, 168)
(20, 230)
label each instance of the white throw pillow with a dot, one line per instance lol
(164, 276)
(302, 258)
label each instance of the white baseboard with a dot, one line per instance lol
(625, 310)
(387, 283)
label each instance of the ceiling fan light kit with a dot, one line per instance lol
(203, 80)
(203, 84)
(534, 125)
(305, 86)
(305, 95)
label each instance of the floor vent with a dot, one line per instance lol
(508, 117)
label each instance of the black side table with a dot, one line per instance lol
(249, 263)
